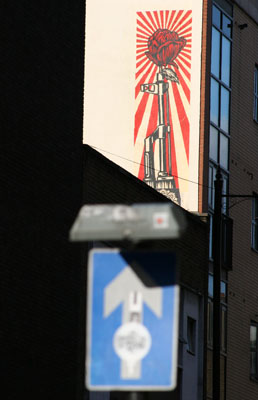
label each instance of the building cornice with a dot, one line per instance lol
(250, 7)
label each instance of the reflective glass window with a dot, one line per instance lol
(214, 143)
(223, 150)
(223, 291)
(253, 350)
(226, 25)
(212, 174)
(226, 6)
(191, 335)
(210, 237)
(214, 112)
(225, 191)
(224, 109)
(225, 61)
(256, 81)
(215, 53)
(256, 109)
(210, 286)
(216, 16)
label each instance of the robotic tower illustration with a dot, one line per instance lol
(164, 46)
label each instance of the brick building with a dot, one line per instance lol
(41, 274)
(227, 139)
(229, 114)
(242, 283)
(100, 174)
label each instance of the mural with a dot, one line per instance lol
(142, 90)
(162, 99)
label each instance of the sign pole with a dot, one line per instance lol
(132, 295)
(135, 396)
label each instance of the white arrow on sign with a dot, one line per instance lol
(132, 337)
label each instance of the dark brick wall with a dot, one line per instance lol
(41, 190)
(243, 280)
(105, 182)
(41, 274)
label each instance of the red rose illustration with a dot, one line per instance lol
(164, 46)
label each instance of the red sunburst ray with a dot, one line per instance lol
(183, 118)
(152, 124)
(142, 32)
(143, 80)
(157, 19)
(166, 18)
(187, 32)
(149, 32)
(142, 37)
(142, 41)
(149, 14)
(188, 47)
(187, 50)
(162, 19)
(181, 20)
(186, 55)
(182, 27)
(142, 45)
(140, 110)
(140, 51)
(184, 86)
(141, 168)
(185, 58)
(171, 20)
(142, 48)
(146, 21)
(139, 63)
(184, 70)
(183, 61)
(140, 56)
(178, 16)
(138, 73)
(173, 152)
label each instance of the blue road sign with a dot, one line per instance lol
(132, 323)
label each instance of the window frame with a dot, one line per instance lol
(191, 335)
(254, 224)
(255, 106)
(254, 375)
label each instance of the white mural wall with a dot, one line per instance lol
(142, 90)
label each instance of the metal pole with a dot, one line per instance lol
(216, 285)
(135, 396)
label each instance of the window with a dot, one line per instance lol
(253, 350)
(255, 222)
(210, 323)
(220, 95)
(219, 144)
(226, 6)
(256, 94)
(191, 335)
(223, 300)
(226, 242)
